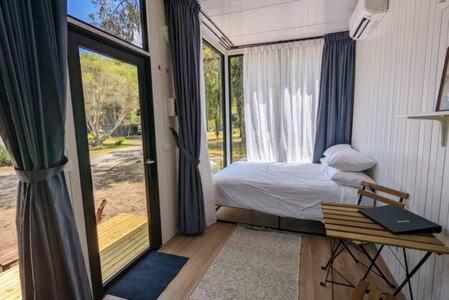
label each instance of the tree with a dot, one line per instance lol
(110, 94)
(236, 84)
(119, 17)
(213, 88)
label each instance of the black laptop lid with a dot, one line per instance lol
(399, 220)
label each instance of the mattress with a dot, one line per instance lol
(281, 189)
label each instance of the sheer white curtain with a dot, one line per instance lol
(204, 166)
(281, 87)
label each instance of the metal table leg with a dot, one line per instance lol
(335, 250)
(410, 275)
(407, 273)
(379, 271)
(373, 261)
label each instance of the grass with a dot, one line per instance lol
(115, 143)
(216, 151)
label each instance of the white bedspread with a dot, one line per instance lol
(287, 190)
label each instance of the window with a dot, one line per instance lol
(121, 18)
(238, 145)
(213, 64)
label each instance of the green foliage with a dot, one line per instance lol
(213, 87)
(212, 64)
(4, 157)
(119, 141)
(237, 108)
(90, 138)
(111, 95)
(119, 17)
(236, 84)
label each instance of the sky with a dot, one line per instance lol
(80, 9)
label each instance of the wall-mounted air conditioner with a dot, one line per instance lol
(366, 17)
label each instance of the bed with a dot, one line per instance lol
(280, 189)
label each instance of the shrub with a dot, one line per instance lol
(119, 141)
(4, 157)
(90, 138)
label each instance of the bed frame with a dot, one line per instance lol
(254, 218)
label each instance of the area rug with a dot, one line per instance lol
(149, 277)
(254, 264)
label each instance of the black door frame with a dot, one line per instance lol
(79, 37)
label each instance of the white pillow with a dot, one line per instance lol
(351, 179)
(331, 150)
(350, 160)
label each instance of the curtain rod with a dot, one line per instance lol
(229, 45)
(276, 42)
(220, 40)
(223, 38)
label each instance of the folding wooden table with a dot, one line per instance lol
(345, 222)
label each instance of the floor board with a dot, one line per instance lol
(314, 251)
(201, 251)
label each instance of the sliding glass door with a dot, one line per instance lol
(115, 143)
(213, 68)
(236, 107)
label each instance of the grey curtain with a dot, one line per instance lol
(185, 43)
(33, 41)
(336, 102)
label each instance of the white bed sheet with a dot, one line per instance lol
(287, 190)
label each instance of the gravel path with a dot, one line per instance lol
(117, 177)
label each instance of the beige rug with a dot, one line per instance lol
(254, 264)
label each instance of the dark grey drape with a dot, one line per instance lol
(334, 120)
(33, 50)
(185, 43)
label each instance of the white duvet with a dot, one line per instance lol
(286, 190)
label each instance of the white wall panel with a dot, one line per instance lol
(161, 74)
(398, 72)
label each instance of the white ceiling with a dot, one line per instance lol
(254, 21)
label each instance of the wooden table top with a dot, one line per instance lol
(344, 221)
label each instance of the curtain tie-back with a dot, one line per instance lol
(35, 176)
(182, 148)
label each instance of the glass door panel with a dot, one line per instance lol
(213, 68)
(115, 146)
(238, 134)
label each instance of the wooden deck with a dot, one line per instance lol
(120, 239)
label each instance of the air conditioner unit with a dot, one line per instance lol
(366, 17)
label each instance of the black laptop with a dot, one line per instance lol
(399, 220)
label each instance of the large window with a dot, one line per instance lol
(238, 145)
(213, 64)
(121, 18)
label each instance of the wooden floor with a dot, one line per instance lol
(314, 251)
(120, 239)
(117, 234)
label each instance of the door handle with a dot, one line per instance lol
(149, 162)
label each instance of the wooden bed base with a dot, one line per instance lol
(255, 218)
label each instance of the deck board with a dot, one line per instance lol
(120, 239)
